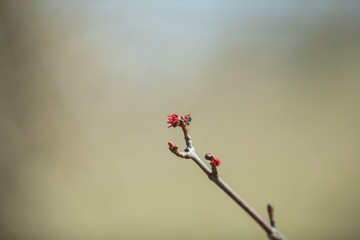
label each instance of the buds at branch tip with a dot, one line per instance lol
(174, 120)
(172, 145)
(270, 209)
(271, 215)
(186, 119)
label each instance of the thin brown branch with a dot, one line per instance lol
(272, 232)
(271, 215)
(187, 137)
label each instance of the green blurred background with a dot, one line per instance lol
(86, 87)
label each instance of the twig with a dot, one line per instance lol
(271, 215)
(213, 174)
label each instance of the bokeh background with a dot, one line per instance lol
(86, 87)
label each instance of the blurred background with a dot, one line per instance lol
(86, 87)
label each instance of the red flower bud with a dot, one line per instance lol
(216, 161)
(174, 120)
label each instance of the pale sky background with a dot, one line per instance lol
(86, 87)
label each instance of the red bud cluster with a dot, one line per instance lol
(174, 120)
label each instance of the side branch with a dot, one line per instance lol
(271, 215)
(175, 149)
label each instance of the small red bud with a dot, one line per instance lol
(216, 161)
(173, 120)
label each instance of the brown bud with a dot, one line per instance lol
(209, 156)
(172, 145)
(270, 209)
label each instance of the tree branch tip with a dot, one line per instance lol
(175, 120)
(173, 148)
(172, 145)
(270, 209)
